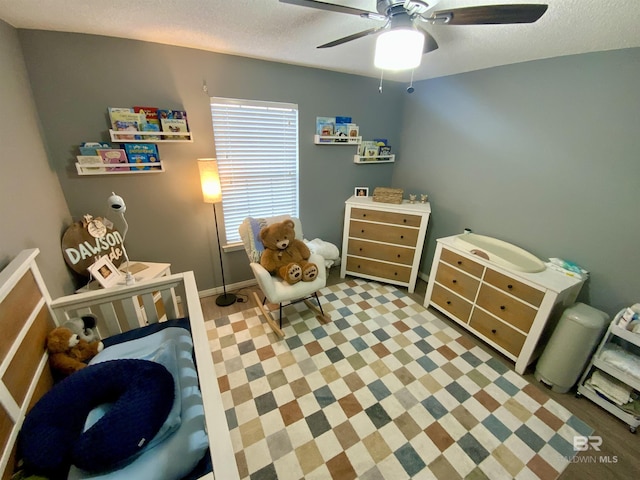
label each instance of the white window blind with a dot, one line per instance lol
(257, 152)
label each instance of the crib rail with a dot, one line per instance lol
(124, 308)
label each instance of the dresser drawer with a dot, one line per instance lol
(386, 217)
(379, 251)
(459, 282)
(378, 269)
(522, 291)
(383, 233)
(507, 308)
(493, 329)
(463, 263)
(452, 303)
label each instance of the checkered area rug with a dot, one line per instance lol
(384, 391)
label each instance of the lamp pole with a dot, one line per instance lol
(225, 299)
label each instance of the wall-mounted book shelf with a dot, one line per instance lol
(133, 168)
(336, 140)
(151, 137)
(366, 160)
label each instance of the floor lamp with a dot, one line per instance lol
(212, 193)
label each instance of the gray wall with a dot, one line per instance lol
(543, 154)
(33, 212)
(76, 77)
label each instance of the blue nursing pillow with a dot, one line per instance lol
(141, 393)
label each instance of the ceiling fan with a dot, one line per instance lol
(407, 17)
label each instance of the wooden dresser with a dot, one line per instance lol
(383, 241)
(509, 310)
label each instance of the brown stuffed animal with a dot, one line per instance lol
(68, 353)
(285, 255)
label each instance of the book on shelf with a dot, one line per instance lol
(384, 151)
(352, 130)
(173, 121)
(368, 148)
(125, 119)
(86, 160)
(325, 126)
(141, 153)
(152, 122)
(114, 156)
(89, 148)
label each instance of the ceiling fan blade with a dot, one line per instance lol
(330, 7)
(491, 14)
(355, 36)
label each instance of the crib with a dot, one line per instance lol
(28, 313)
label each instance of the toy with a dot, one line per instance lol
(84, 326)
(68, 353)
(285, 255)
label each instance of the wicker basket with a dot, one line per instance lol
(387, 195)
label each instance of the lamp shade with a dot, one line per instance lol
(399, 49)
(210, 180)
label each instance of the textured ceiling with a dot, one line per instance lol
(270, 30)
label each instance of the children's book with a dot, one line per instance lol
(152, 123)
(325, 126)
(125, 119)
(89, 148)
(85, 160)
(114, 156)
(173, 121)
(142, 153)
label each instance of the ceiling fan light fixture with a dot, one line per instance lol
(399, 49)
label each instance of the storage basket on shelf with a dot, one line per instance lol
(388, 195)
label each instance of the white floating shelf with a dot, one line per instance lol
(336, 140)
(147, 137)
(134, 168)
(362, 160)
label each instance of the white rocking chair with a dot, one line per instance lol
(276, 291)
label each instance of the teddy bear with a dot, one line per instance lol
(285, 255)
(68, 353)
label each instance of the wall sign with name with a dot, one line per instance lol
(87, 240)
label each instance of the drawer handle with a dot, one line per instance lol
(364, 215)
(448, 302)
(502, 307)
(404, 220)
(401, 236)
(509, 286)
(358, 266)
(459, 262)
(494, 331)
(454, 281)
(395, 274)
(361, 231)
(360, 249)
(398, 255)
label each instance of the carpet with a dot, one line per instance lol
(384, 391)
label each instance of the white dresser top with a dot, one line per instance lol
(367, 202)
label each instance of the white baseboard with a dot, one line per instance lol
(251, 282)
(423, 276)
(230, 288)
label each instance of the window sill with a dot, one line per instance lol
(232, 247)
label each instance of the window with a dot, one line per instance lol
(257, 152)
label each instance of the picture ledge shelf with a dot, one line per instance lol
(116, 133)
(363, 160)
(134, 169)
(336, 140)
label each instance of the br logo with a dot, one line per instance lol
(582, 443)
